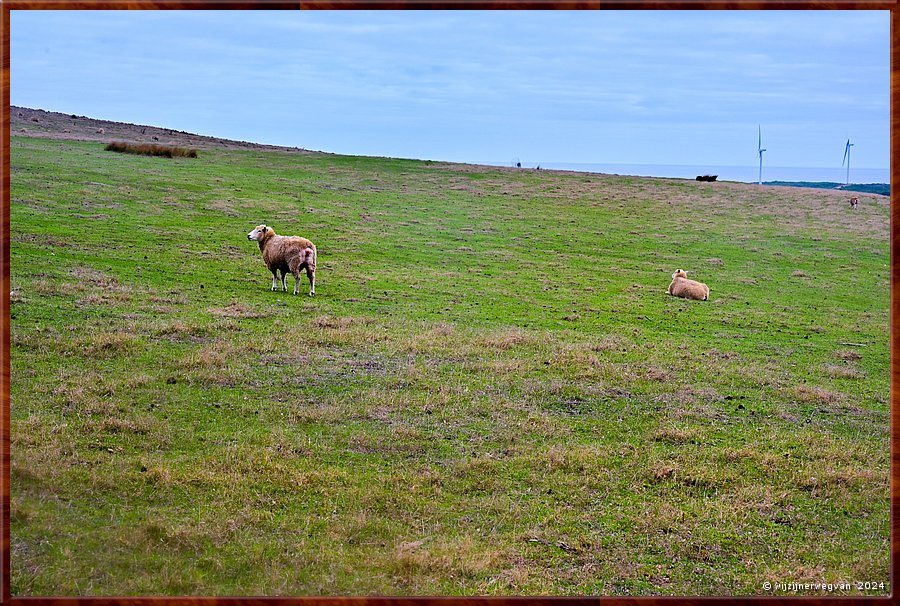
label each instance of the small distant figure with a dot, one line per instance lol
(854, 202)
(100, 131)
(538, 167)
(518, 165)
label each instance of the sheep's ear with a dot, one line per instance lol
(265, 229)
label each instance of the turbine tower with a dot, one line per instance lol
(847, 159)
(760, 151)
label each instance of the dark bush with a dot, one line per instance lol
(165, 151)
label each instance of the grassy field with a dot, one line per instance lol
(491, 392)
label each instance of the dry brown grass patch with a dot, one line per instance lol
(768, 461)
(236, 309)
(180, 330)
(816, 395)
(115, 425)
(508, 339)
(659, 472)
(332, 322)
(503, 367)
(460, 556)
(54, 287)
(841, 371)
(99, 279)
(212, 363)
(107, 344)
(654, 373)
(663, 518)
(574, 459)
(436, 337)
(611, 342)
(676, 435)
(103, 299)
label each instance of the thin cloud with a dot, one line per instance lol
(461, 85)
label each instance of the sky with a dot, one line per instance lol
(633, 87)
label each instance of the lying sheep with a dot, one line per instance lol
(687, 289)
(284, 254)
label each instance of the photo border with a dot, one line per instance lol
(8, 5)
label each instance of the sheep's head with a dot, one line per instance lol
(679, 273)
(260, 232)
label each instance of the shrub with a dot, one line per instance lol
(166, 151)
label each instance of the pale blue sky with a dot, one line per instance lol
(554, 86)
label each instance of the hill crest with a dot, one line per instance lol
(56, 125)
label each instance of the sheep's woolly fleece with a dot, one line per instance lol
(687, 289)
(286, 254)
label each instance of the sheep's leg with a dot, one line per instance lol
(311, 271)
(283, 283)
(294, 268)
(274, 279)
(311, 274)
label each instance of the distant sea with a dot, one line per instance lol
(746, 174)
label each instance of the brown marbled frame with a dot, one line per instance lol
(6, 5)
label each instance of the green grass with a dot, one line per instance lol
(491, 392)
(883, 189)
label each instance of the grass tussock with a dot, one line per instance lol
(507, 339)
(151, 149)
(237, 309)
(843, 371)
(816, 395)
(332, 322)
(108, 344)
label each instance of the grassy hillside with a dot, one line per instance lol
(883, 189)
(491, 392)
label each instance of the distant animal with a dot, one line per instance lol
(687, 289)
(286, 254)
(155, 138)
(854, 202)
(100, 131)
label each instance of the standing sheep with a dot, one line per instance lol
(687, 289)
(284, 254)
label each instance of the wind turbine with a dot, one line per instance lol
(847, 159)
(760, 151)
